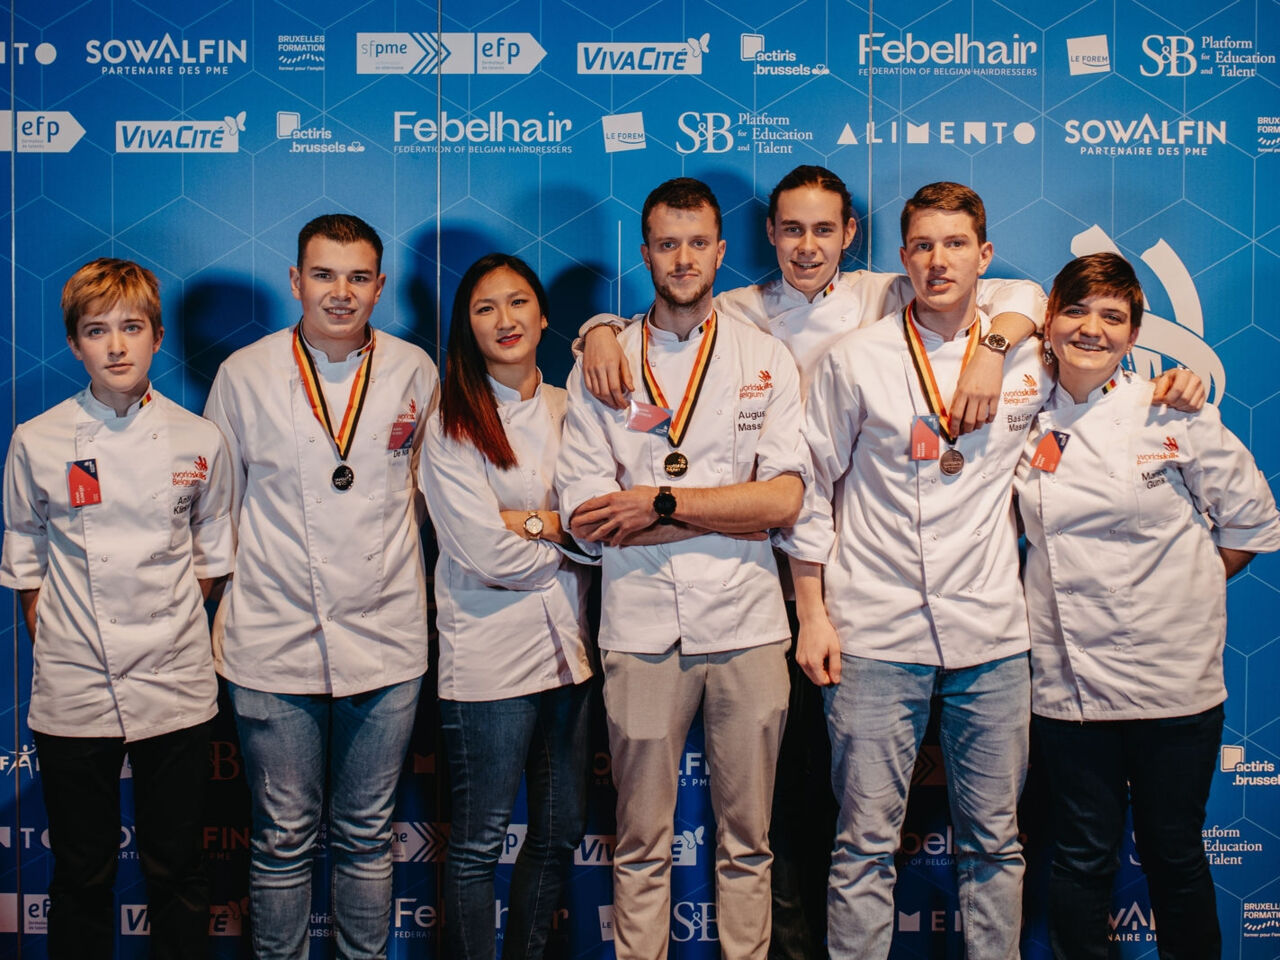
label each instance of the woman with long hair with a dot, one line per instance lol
(513, 644)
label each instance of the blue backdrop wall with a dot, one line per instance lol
(198, 137)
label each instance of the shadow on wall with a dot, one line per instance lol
(216, 317)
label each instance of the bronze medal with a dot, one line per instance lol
(951, 462)
(676, 464)
(343, 477)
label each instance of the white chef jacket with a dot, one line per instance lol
(711, 593)
(329, 594)
(925, 566)
(122, 643)
(1126, 596)
(511, 612)
(853, 299)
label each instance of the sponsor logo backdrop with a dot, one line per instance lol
(198, 138)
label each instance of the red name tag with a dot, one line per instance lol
(924, 438)
(1049, 451)
(401, 435)
(82, 483)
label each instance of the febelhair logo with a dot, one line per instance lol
(757, 389)
(1171, 444)
(1180, 340)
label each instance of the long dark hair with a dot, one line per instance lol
(468, 408)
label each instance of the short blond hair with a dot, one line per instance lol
(104, 283)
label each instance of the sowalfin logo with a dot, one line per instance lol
(1180, 340)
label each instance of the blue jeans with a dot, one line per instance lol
(490, 744)
(292, 743)
(877, 716)
(1164, 767)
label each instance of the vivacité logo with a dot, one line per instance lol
(180, 136)
(651, 57)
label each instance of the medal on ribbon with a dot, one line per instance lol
(343, 476)
(952, 461)
(676, 464)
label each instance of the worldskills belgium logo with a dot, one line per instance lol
(1166, 343)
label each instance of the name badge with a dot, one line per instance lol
(401, 435)
(648, 418)
(1049, 451)
(924, 437)
(82, 483)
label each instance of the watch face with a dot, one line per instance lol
(533, 525)
(664, 504)
(996, 342)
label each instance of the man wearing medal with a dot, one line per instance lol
(321, 634)
(922, 596)
(679, 489)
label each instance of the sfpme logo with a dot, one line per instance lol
(418, 53)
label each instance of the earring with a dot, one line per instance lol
(1046, 353)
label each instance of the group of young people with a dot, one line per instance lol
(872, 429)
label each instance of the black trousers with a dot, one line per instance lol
(81, 780)
(1163, 768)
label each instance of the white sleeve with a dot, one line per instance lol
(212, 535)
(221, 408)
(466, 516)
(1229, 487)
(586, 467)
(1023, 297)
(832, 420)
(26, 518)
(599, 320)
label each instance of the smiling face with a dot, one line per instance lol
(944, 259)
(809, 237)
(683, 252)
(506, 320)
(1090, 338)
(116, 348)
(338, 285)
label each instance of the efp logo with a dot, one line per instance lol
(416, 53)
(623, 131)
(1086, 55)
(1181, 339)
(39, 131)
(180, 136)
(653, 58)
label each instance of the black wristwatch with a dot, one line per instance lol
(997, 343)
(664, 505)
